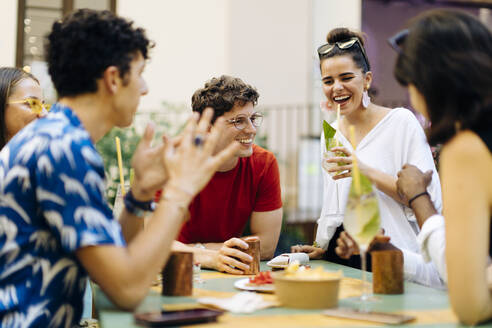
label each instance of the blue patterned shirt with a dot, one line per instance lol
(52, 202)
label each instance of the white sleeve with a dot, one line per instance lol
(324, 233)
(415, 269)
(432, 242)
(329, 219)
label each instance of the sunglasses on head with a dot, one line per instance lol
(325, 49)
(34, 104)
(397, 40)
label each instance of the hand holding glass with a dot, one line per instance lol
(328, 154)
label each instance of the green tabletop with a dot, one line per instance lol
(430, 306)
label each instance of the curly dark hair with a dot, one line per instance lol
(447, 56)
(222, 94)
(86, 42)
(9, 78)
(341, 34)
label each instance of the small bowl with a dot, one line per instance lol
(306, 294)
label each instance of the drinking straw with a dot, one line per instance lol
(132, 175)
(120, 165)
(338, 143)
(338, 116)
(356, 174)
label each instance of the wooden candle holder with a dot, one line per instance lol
(387, 271)
(177, 275)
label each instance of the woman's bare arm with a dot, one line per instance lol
(466, 167)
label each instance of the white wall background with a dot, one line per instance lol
(8, 26)
(269, 47)
(266, 43)
(190, 37)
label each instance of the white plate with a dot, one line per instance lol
(243, 284)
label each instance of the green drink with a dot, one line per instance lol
(362, 219)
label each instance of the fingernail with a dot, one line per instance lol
(250, 258)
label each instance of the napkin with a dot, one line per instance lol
(244, 302)
(287, 258)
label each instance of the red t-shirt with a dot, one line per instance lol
(221, 210)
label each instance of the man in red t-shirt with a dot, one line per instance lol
(245, 188)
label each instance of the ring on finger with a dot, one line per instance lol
(198, 140)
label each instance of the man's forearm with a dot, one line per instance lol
(126, 277)
(131, 225)
(423, 209)
(206, 257)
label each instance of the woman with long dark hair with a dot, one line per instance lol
(445, 60)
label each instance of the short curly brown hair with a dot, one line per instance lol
(222, 94)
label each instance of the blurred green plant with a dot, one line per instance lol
(169, 120)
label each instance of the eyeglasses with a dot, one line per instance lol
(241, 121)
(397, 40)
(325, 49)
(36, 105)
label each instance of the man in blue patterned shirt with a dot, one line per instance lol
(55, 224)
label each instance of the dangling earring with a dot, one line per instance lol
(366, 100)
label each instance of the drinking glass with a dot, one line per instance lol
(197, 273)
(119, 205)
(327, 154)
(362, 222)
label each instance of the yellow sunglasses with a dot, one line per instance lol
(34, 104)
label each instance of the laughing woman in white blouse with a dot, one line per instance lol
(386, 139)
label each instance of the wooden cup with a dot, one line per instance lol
(387, 271)
(177, 275)
(253, 251)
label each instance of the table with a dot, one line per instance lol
(430, 306)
